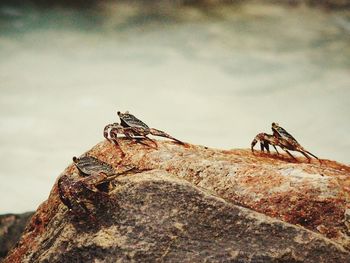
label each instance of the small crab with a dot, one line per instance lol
(282, 139)
(133, 128)
(95, 176)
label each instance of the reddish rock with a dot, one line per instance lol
(308, 195)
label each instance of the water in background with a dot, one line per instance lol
(214, 76)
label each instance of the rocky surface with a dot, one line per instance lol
(188, 202)
(11, 229)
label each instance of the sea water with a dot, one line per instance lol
(214, 76)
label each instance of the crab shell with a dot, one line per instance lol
(88, 165)
(282, 132)
(129, 120)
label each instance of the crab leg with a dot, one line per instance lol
(253, 143)
(152, 141)
(262, 147)
(313, 155)
(156, 132)
(309, 159)
(275, 149)
(111, 134)
(68, 192)
(94, 179)
(117, 144)
(123, 171)
(132, 132)
(263, 144)
(63, 189)
(266, 145)
(114, 140)
(303, 152)
(290, 154)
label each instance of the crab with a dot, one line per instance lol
(283, 139)
(133, 128)
(94, 180)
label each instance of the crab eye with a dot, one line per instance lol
(118, 112)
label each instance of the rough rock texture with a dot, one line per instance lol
(187, 204)
(11, 229)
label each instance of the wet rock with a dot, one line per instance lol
(11, 229)
(187, 202)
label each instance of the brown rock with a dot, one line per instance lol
(11, 229)
(188, 206)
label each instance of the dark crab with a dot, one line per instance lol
(282, 139)
(94, 178)
(133, 128)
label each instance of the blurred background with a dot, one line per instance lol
(214, 73)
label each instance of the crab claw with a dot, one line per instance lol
(63, 187)
(110, 132)
(254, 142)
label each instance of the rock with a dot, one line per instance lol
(11, 229)
(196, 204)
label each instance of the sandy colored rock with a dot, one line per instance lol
(188, 203)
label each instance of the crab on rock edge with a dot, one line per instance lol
(281, 138)
(94, 178)
(133, 128)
